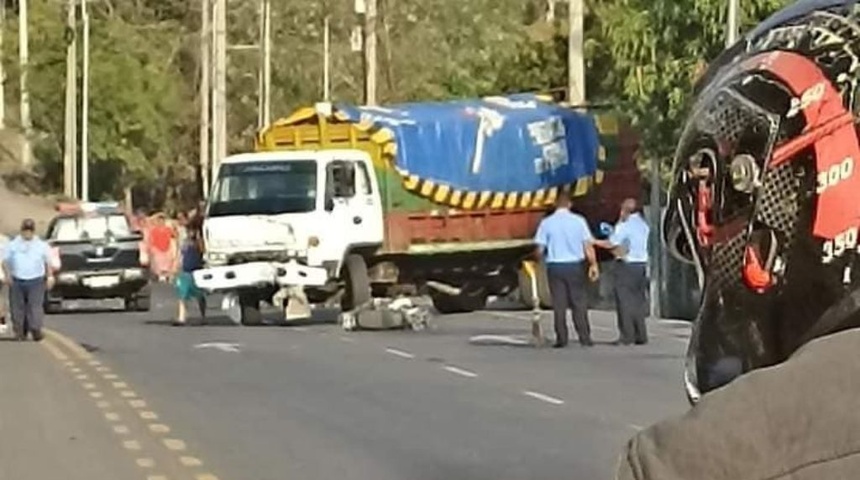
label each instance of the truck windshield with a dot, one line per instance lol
(99, 227)
(265, 188)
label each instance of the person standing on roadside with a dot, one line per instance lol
(564, 242)
(190, 259)
(629, 242)
(27, 268)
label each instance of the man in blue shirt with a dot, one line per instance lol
(629, 243)
(27, 268)
(565, 242)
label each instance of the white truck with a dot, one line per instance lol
(340, 206)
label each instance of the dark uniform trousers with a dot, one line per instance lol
(631, 283)
(26, 299)
(568, 284)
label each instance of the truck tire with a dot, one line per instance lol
(470, 300)
(141, 303)
(357, 289)
(526, 293)
(249, 309)
(53, 306)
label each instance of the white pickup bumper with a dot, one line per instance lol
(253, 274)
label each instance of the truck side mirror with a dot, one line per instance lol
(329, 203)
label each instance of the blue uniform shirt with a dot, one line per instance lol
(27, 259)
(632, 234)
(562, 236)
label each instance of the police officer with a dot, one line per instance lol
(27, 267)
(629, 242)
(565, 242)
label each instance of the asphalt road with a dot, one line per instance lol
(314, 402)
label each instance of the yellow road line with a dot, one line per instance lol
(55, 351)
(70, 344)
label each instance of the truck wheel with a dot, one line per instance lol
(249, 305)
(53, 306)
(141, 303)
(470, 300)
(357, 283)
(526, 293)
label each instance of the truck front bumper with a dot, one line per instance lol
(254, 274)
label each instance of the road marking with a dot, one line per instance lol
(634, 427)
(299, 329)
(147, 415)
(103, 404)
(70, 344)
(190, 462)
(55, 351)
(94, 363)
(222, 346)
(669, 321)
(460, 371)
(156, 477)
(399, 353)
(89, 386)
(145, 462)
(97, 394)
(102, 369)
(75, 369)
(543, 397)
(159, 428)
(121, 429)
(347, 339)
(206, 476)
(131, 445)
(112, 417)
(127, 394)
(82, 377)
(120, 385)
(110, 376)
(174, 444)
(137, 403)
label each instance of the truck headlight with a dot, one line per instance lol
(313, 241)
(215, 258)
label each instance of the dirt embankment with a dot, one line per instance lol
(15, 206)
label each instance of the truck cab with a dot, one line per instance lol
(281, 224)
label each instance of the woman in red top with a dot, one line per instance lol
(162, 246)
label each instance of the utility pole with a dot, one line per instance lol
(264, 97)
(656, 265)
(85, 106)
(370, 64)
(575, 57)
(70, 144)
(219, 99)
(2, 70)
(327, 59)
(732, 23)
(24, 61)
(205, 92)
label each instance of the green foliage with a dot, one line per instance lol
(642, 56)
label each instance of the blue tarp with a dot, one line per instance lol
(525, 144)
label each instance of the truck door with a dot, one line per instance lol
(352, 199)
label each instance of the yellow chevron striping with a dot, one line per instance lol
(427, 188)
(498, 200)
(455, 199)
(469, 201)
(484, 199)
(526, 200)
(601, 154)
(390, 148)
(598, 177)
(411, 182)
(551, 196)
(582, 186)
(511, 200)
(539, 196)
(442, 193)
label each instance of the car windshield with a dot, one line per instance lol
(265, 188)
(99, 227)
